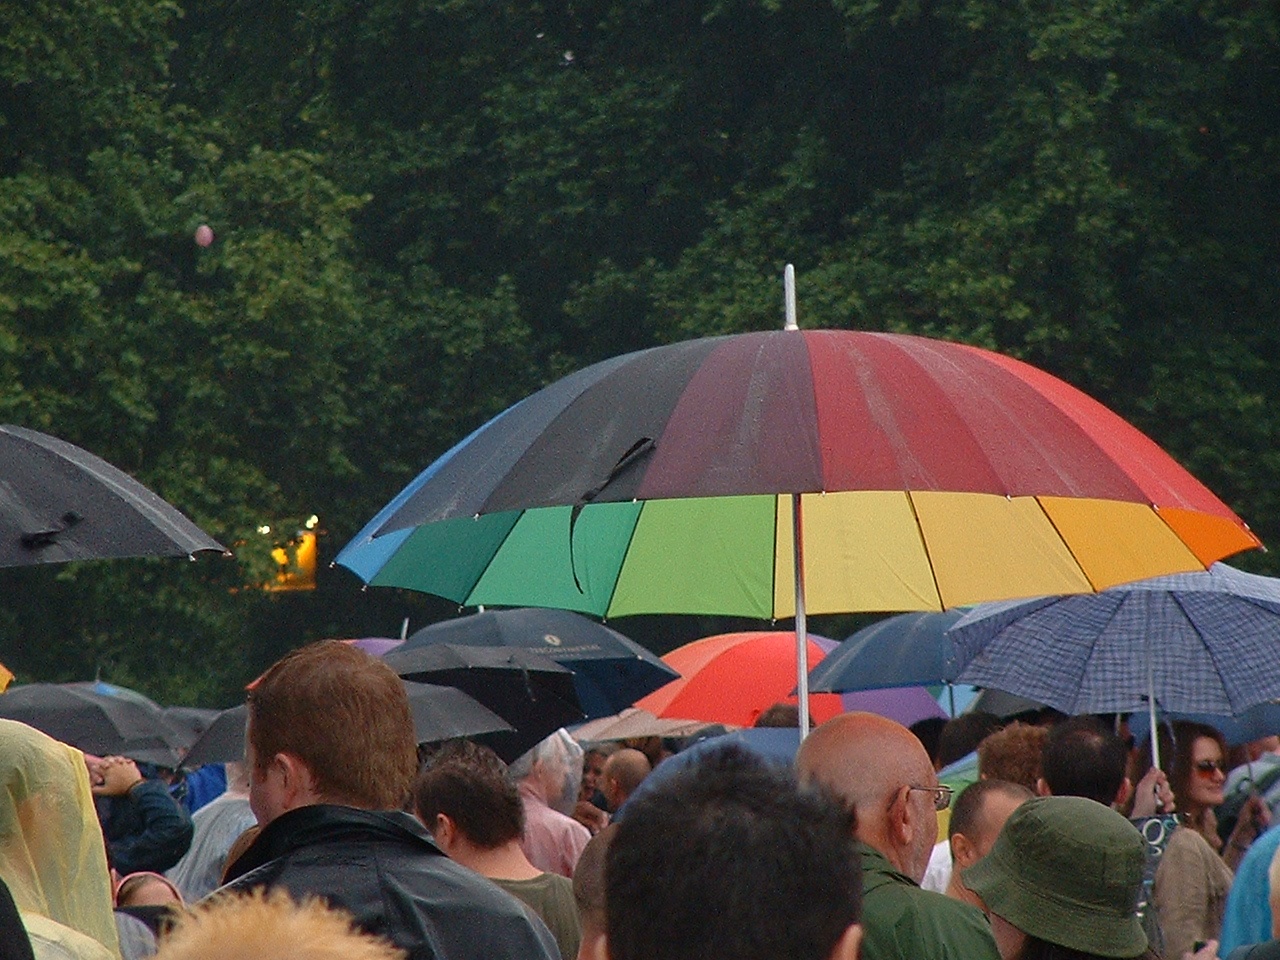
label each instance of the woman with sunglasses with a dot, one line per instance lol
(1195, 870)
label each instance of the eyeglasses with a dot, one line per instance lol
(941, 795)
(1206, 768)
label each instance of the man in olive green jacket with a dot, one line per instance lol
(880, 767)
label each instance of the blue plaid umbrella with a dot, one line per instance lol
(1190, 643)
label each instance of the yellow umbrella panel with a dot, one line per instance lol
(863, 551)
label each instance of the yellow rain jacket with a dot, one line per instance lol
(52, 856)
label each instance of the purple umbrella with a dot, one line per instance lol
(377, 646)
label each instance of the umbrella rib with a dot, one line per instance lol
(773, 577)
(1066, 546)
(631, 538)
(924, 543)
(1111, 616)
(493, 553)
(1178, 602)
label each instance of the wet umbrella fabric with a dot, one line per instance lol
(634, 722)
(929, 474)
(59, 502)
(791, 473)
(1192, 643)
(1004, 705)
(775, 745)
(439, 713)
(194, 719)
(906, 650)
(98, 718)
(610, 672)
(376, 646)
(1253, 724)
(904, 704)
(732, 678)
(531, 692)
(909, 649)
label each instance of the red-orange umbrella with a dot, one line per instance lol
(732, 678)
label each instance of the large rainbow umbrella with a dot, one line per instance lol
(918, 474)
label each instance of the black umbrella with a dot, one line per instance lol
(98, 718)
(439, 713)
(531, 692)
(195, 719)
(610, 672)
(59, 502)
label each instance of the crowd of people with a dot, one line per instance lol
(341, 837)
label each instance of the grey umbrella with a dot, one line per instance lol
(98, 718)
(610, 672)
(59, 502)
(439, 713)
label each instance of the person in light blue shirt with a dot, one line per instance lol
(1248, 913)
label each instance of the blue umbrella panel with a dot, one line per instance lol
(907, 650)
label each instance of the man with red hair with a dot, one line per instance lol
(332, 756)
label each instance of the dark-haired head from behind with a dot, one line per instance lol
(927, 731)
(468, 783)
(961, 735)
(589, 893)
(732, 860)
(1082, 758)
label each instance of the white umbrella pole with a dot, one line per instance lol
(797, 541)
(802, 632)
(1151, 707)
(789, 297)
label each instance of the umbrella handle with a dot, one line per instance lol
(1151, 705)
(802, 633)
(1155, 734)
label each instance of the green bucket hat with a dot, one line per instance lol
(1067, 870)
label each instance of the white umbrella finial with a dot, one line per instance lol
(789, 294)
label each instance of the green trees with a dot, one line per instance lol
(424, 210)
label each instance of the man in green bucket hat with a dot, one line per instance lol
(1064, 872)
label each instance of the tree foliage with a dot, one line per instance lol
(424, 210)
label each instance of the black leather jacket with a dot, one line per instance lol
(383, 868)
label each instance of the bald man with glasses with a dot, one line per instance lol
(882, 769)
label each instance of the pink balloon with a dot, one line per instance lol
(204, 235)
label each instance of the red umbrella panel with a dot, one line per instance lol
(732, 678)
(931, 474)
(793, 473)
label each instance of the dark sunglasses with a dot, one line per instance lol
(1206, 767)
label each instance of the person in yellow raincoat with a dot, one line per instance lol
(52, 856)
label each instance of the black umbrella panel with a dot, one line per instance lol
(98, 718)
(534, 694)
(59, 502)
(439, 713)
(610, 672)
